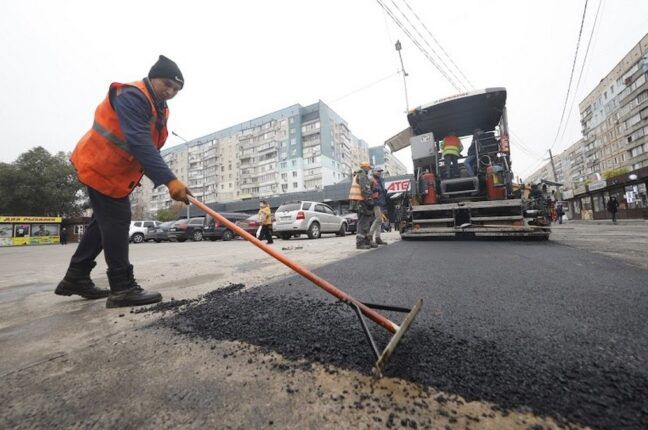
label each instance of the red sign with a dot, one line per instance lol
(397, 186)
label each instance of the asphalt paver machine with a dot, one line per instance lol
(487, 203)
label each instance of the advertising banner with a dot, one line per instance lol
(397, 186)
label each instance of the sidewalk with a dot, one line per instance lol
(604, 221)
(627, 240)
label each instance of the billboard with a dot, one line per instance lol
(26, 230)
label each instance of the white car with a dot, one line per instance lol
(311, 218)
(138, 230)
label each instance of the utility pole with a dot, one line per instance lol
(398, 49)
(555, 177)
(187, 142)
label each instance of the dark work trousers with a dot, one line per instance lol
(266, 233)
(108, 230)
(451, 166)
(365, 218)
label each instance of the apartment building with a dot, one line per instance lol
(294, 149)
(614, 121)
(614, 116)
(381, 156)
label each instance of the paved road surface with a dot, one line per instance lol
(536, 325)
(512, 335)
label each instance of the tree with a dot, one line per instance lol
(615, 172)
(40, 184)
(169, 214)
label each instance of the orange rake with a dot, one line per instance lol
(361, 309)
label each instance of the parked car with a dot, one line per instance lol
(352, 222)
(159, 233)
(311, 218)
(191, 229)
(138, 229)
(213, 230)
(251, 224)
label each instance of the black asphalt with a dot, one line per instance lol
(526, 325)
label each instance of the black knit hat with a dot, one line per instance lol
(167, 69)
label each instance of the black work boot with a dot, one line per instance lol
(373, 244)
(77, 281)
(361, 243)
(124, 290)
(379, 241)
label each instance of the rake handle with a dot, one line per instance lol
(323, 284)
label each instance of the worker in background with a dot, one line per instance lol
(471, 159)
(265, 218)
(361, 202)
(379, 196)
(451, 148)
(130, 127)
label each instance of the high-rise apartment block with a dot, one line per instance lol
(614, 120)
(381, 156)
(294, 149)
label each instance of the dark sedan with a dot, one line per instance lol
(215, 230)
(183, 230)
(159, 233)
(352, 222)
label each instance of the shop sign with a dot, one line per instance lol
(580, 190)
(598, 185)
(44, 219)
(568, 194)
(397, 186)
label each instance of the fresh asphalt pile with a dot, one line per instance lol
(527, 326)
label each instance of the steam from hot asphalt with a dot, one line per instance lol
(523, 325)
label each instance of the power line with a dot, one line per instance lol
(414, 27)
(439, 44)
(580, 75)
(417, 44)
(367, 86)
(571, 76)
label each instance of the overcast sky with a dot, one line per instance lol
(244, 59)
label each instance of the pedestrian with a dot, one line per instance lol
(560, 211)
(265, 218)
(613, 207)
(361, 202)
(451, 148)
(130, 127)
(63, 239)
(379, 196)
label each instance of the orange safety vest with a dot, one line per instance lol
(451, 145)
(102, 157)
(355, 193)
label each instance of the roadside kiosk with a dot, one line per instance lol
(29, 230)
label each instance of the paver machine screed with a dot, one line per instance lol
(485, 203)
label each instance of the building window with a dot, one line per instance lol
(295, 184)
(294, 162)
(294, 173)
(284, 176)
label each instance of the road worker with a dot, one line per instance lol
(361, 202)
(379, 196)
(451, 148)
(130, 127)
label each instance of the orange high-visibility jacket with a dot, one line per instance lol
(451, 145)
(102, 158)
(355, 193)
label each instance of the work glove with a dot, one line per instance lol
(178, 191)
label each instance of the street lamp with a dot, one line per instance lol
(398, 47)
(187, 142)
